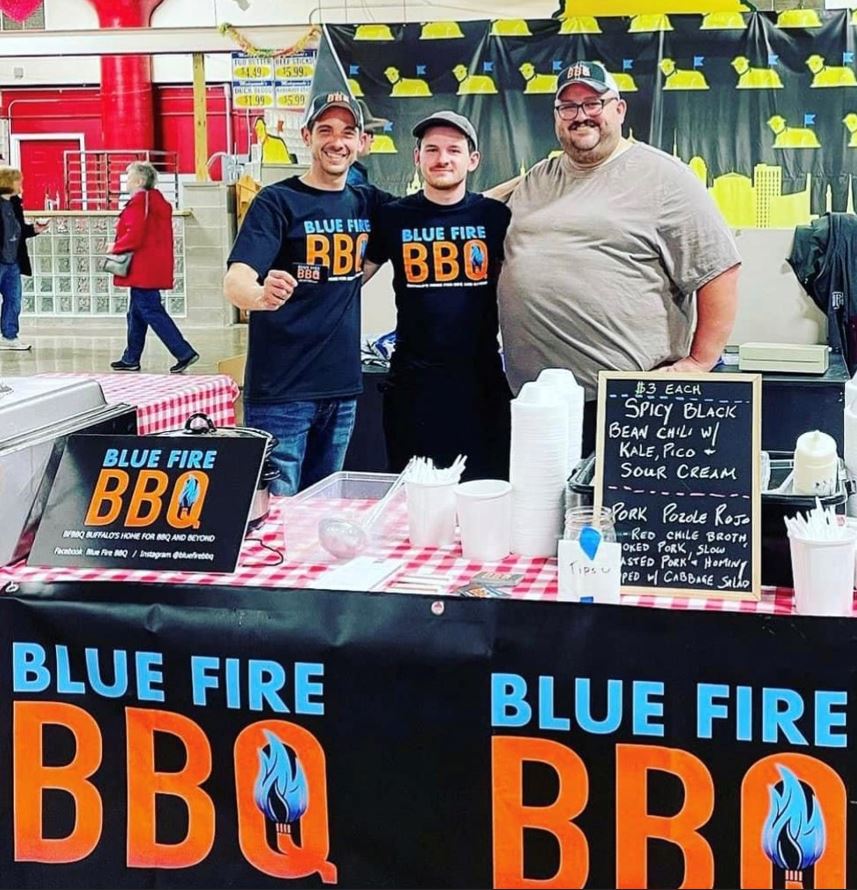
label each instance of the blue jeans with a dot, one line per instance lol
(312, 438)
(10, 293)
(146, 310)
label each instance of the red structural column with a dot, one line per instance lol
(127, 115)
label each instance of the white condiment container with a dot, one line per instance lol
(815, 464)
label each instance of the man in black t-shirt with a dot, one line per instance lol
(447, 393)
(297, 265)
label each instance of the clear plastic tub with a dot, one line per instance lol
(347, 485)
(345, 494)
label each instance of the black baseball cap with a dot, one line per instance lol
(372, 124)
(338, 99)
(447, 119)
(590, 74)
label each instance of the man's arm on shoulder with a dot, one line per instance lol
(716, 306)
(503, 190)
(241, 287)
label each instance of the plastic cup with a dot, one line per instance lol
(484, 509)
(823, 573)
(431, 513)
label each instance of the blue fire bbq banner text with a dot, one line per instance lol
(190, 737)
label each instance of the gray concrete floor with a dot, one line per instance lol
(91, 347)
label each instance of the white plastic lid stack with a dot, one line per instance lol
(851, 392)
(538, 462)
(573, 395)
(851, 437)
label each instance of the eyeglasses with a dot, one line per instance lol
(591, 108)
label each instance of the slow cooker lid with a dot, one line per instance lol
(200, 424)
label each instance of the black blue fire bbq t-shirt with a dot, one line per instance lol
(446, 260)
(309, 348)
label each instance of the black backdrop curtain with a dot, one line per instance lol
(729, 93)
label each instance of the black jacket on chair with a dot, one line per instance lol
(824, 258)
(27, 231)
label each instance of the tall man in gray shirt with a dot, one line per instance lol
(607, 246)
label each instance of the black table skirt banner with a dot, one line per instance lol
(155, 735)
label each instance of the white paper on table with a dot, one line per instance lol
(360, 573)
(595, 580)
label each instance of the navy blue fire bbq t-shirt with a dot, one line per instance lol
(309, 348)
(446, 261)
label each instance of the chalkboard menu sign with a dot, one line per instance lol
(677, 460)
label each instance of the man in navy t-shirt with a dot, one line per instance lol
(297, 265)
(447, 393)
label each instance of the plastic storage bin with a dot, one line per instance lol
(344, 494)
(347, 485)
(776, 559)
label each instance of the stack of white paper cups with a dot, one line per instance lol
(538, 469)
(572, 395)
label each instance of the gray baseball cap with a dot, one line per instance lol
(447, 119)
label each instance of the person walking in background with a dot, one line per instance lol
(145, 228)
(14, 259)
(372, 126)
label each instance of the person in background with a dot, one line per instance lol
(608, 244)
(145, 228)
(446, 394)
(296, 265)
(358, 175)
(14, 258)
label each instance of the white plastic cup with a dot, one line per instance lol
(823, 573)
(431, 513)
(484, 509)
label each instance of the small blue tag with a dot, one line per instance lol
(587, 599)
(590, 540)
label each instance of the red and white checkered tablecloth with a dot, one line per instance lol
(165, 401)
(291, 529)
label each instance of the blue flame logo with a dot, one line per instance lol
(190, 493)
(793, 836)
(477, 257)
(281, 790)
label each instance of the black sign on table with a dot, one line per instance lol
(150, 502)
(677, 459)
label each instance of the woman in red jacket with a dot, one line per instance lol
(145, 227)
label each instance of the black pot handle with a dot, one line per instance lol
(199, 424)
